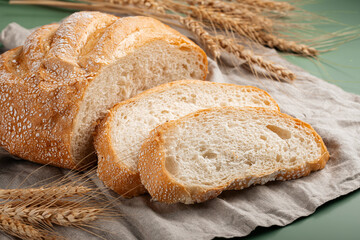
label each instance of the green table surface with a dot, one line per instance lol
(337, 219)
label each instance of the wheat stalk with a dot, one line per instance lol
(231, 46)
(241, 52)
(285, 45)
(149, 4)
(272, 41)
(222, 19)
(268, 5)
(231, 10)
(43, 193)
(31, 213)
(254, 28)
(256, 32)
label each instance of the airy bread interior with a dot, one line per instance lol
(132, 122)
(152, 64)
(212, 148)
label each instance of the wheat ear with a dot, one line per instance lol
(64, 216)
(231, 46)
(285, 45)
(203, 36)
(238, 50)
(43, 193)
(254, 32)
(268, 5)
(272, 41)
(149, 4)
(230, 10)
(22, 230)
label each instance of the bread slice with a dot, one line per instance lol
(121, 134)
(195, 158)
(67, 75)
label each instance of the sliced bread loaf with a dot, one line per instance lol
(120, 135)
(195, 158)
(66, 76)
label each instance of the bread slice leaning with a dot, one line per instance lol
(195, 158)
(120, 135)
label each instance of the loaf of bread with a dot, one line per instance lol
(195, 158)
(65, 77)
(121, 133)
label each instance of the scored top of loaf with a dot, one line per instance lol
(43, 82)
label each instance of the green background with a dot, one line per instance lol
(337, 219)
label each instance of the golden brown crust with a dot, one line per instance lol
(43, 83)
(111, 170)
(164, 188)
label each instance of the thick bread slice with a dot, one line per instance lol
(195, 158)
(121, 134)
(65, 77)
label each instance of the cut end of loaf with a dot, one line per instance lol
(195, 158)
(150, 65)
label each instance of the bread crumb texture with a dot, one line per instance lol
(128, 123)
(195, 158)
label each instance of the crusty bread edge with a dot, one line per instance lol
(169, 85)
(164, 188)
(114, 173)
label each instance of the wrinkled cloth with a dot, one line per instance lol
(334, 114)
